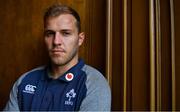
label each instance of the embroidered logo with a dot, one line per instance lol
(69, 76)
(69, 95)
(29, 89)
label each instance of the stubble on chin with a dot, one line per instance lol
(58, 61)
(64, 58)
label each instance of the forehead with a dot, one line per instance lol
(61, 21)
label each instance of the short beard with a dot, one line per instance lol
(67, 60)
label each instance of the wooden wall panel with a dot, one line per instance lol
(166, 55)
(117, 58)
(96, 33)
(129, 57)
(177, 48)
(145, 88)
(140, 72)
(140, 55)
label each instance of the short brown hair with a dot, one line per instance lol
(58, 9)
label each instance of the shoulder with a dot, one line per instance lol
(30, 74)
(97, 89)
(94, 76)
(95, 79)
(92, 73)
(12, 104)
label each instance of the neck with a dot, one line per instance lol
(59, 70)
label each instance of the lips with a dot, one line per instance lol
(57, 51)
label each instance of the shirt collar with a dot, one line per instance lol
(69, 75)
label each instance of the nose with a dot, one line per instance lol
(57, 39)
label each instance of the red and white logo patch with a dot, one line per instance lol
(69, 76)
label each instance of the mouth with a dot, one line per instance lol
(57, 51)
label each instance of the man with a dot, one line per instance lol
(67, 83)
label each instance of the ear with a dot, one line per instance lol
(81, 38)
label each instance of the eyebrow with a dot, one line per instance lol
(46, 30)
(64, 30)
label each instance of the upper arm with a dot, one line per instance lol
(12, 104)
(98, 97)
